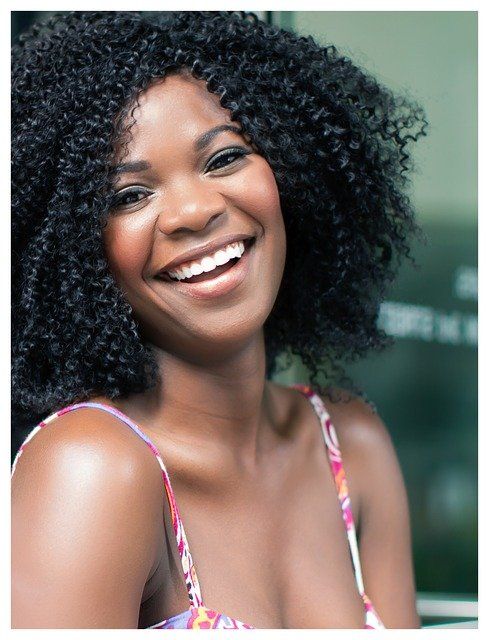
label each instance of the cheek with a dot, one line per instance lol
(259, 197)
(126, 245)
(257, 194)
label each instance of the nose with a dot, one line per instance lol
(189, 207)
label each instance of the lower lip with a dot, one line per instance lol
(221, 285)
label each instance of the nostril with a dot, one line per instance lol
(216, 215)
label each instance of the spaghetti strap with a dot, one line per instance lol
(190, 574)
(336, 463)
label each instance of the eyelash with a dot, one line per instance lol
(240, 152)
(118, 200)
(235, 151)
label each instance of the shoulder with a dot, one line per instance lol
(366, 445)
(375, 480)
(88, 452)
(86, 484)
(91, 441)
(359, 426)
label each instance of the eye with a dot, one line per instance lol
(129, 197)
(227, 158)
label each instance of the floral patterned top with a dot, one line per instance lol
(198, 616)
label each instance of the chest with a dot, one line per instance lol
(273, 554)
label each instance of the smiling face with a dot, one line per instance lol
(188, 184)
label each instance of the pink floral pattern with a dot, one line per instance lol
(200, 618)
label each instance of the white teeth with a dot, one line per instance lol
(221, 257)
(196, 268)
(235, 250)
(210, 262)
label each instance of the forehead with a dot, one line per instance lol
(175, 109)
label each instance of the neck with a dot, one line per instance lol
(221, 410)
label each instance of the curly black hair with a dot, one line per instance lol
(336, 140)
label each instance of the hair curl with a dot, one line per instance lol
(336, 140)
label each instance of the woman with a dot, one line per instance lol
(194, 194)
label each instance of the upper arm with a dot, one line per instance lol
(85, 515)
(385, 549)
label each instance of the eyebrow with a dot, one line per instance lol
(131, 167)
(201, 143)
(206, 138)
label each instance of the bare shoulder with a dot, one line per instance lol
(367, 450)
(359, 427)
(376, 481)
(87, 442)
(86, 485)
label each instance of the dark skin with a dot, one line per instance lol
(245, 456)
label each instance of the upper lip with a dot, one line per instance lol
(204, 249)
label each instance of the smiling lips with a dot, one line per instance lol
(218, 281)
(208, 263)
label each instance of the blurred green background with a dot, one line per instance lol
(425, 387)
